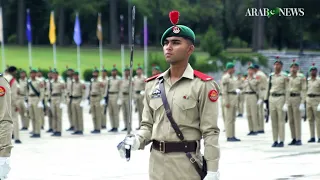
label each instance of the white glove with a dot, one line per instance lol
(318, 108)
(48, 105)
(301, 107)
(26, 104)
(259, 102)
(142, 92)
(238, 91)
(285, 108)
(119, 102)
(102, 102)
(62, 105)
(40, 105)
(84, 103)
(133, 141)
(212, 176)
(4, 167)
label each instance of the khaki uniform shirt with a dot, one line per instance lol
(14, 90)
(68, 89)
(96, 87)
(191, 108)
(139, 84)
(104, 81)
(251, 85)
(115, 85)
(79, 89)
(279, 84)
(5, 118)
(22, 90)
(229, 84)
(298, 85)
(313, 89)
(58, 90)
(263, 83)
(38, 86)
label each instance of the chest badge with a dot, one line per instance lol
(156, 93)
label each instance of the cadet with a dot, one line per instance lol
(125, 97)
(43, 109)
(251, 92)
(6, 127)
(313, 103)
(230, 100)
(68, 90)
(35, 98)
(277, 98)
(295, 102)
(57, 96)
(47, 103)
(156, 70)
(77, 97)
(104, 79)
(192, 97)
(96, 95)
(22, 98)
(221, 101)
(263, 79)
(114, 100)
(240, 96)
(138, 87)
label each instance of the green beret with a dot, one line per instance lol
(178, 31)
(294, 63)
(54, 71)
(104, 70)
(70, 69)
(96, 70)
(277, 60)
(139, 67)
(76, 73)
(33, 70)
(156, 68)
(251, 67)
(127, 69)
(229, 65)
(245, 74)
(239, 73)
(313, 67)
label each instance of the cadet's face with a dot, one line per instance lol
(313, 72)
(33, 75)
(139, 71)
(22, 75)
(55, 76)
(104, 73)
(114, 73)
(69, 73)
(176, 49)
(277, 67)
(294, 69)
(95, 74)
(250, 72)
(39, 74)
(76, 77)
(127, 73)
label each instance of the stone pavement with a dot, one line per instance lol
(95, 157)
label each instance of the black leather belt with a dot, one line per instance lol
(313, 95)
(53, 95)
(276, 95)
(250, 93)
(75, 97)
(113, 92)
(94, 95)
(294, 94)
(138, 92)
(234, 93)
(125, 93)
(32, 95)
(167, 147)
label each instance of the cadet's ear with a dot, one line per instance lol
(191, 49)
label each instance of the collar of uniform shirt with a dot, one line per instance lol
(188, 73)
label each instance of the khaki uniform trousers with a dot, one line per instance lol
(5, 137)
(35, 114)
(252, 111)
(230, 114)
(240, 103)
(139, 101)
(261, 115)
(113, 109)
(313, 115)
(96, 111)
(277, 117)
(125, 109)
(294, 117)
(15, 119)
(69, 109)
(23, 112)
(50, 118)
(103, 117)
(56, 114)
(77, 114)
(42, 115)
(223, 111)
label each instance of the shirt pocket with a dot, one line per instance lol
(156, 104)
(186, 110)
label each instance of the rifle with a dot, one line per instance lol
(305, 102)
(106, 98)
(267, 100)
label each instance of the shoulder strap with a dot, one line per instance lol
(11, 82)
(202, 76)
(152, 78)
(33, 88)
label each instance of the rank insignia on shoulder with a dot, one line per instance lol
(202, 76)
(2, 91)
(213, 95)
(151, 78)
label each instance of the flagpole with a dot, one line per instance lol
(2, 42)
(30, 55)
(54, 55)
(145, 38)
(78, 57)
(101, 57)
(122, 45)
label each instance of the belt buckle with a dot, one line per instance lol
(192, 160)
(162, 147)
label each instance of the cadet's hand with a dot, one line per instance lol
(212, 176)
(102, 102)
(40, 105)
(62, 105)
(318, 108)
(285, 107)
(259, 102)
(133, 141)
(4, 167)
(119, 102)
(301, 107)
(238, 91)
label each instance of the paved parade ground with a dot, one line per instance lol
(95, 157)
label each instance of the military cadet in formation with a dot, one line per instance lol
(124, 87)
(114, 101)
(35, 105)
(295, 102)
(263, 79)
(138, 88)
(6, 127)
(10, 77)
(222, 105)
(156, 70)
(57, 96)
(22, 98)
(251, 93)
(48, 89)
(313, 103)
(240, 106)
(42, 79)
(77, 98)
(96, 91)
(191, 101)
(104, 79)
(277, 99)
(68, 90)
(230, 100)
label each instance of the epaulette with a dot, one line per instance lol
(151, 78)
(284, 73)
(202, 76)
(301, 75)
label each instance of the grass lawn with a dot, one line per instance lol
(42, 57)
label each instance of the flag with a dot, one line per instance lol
(99, 28)
(28, 27)
(1, 26)
(77, 32)
(52, 29)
